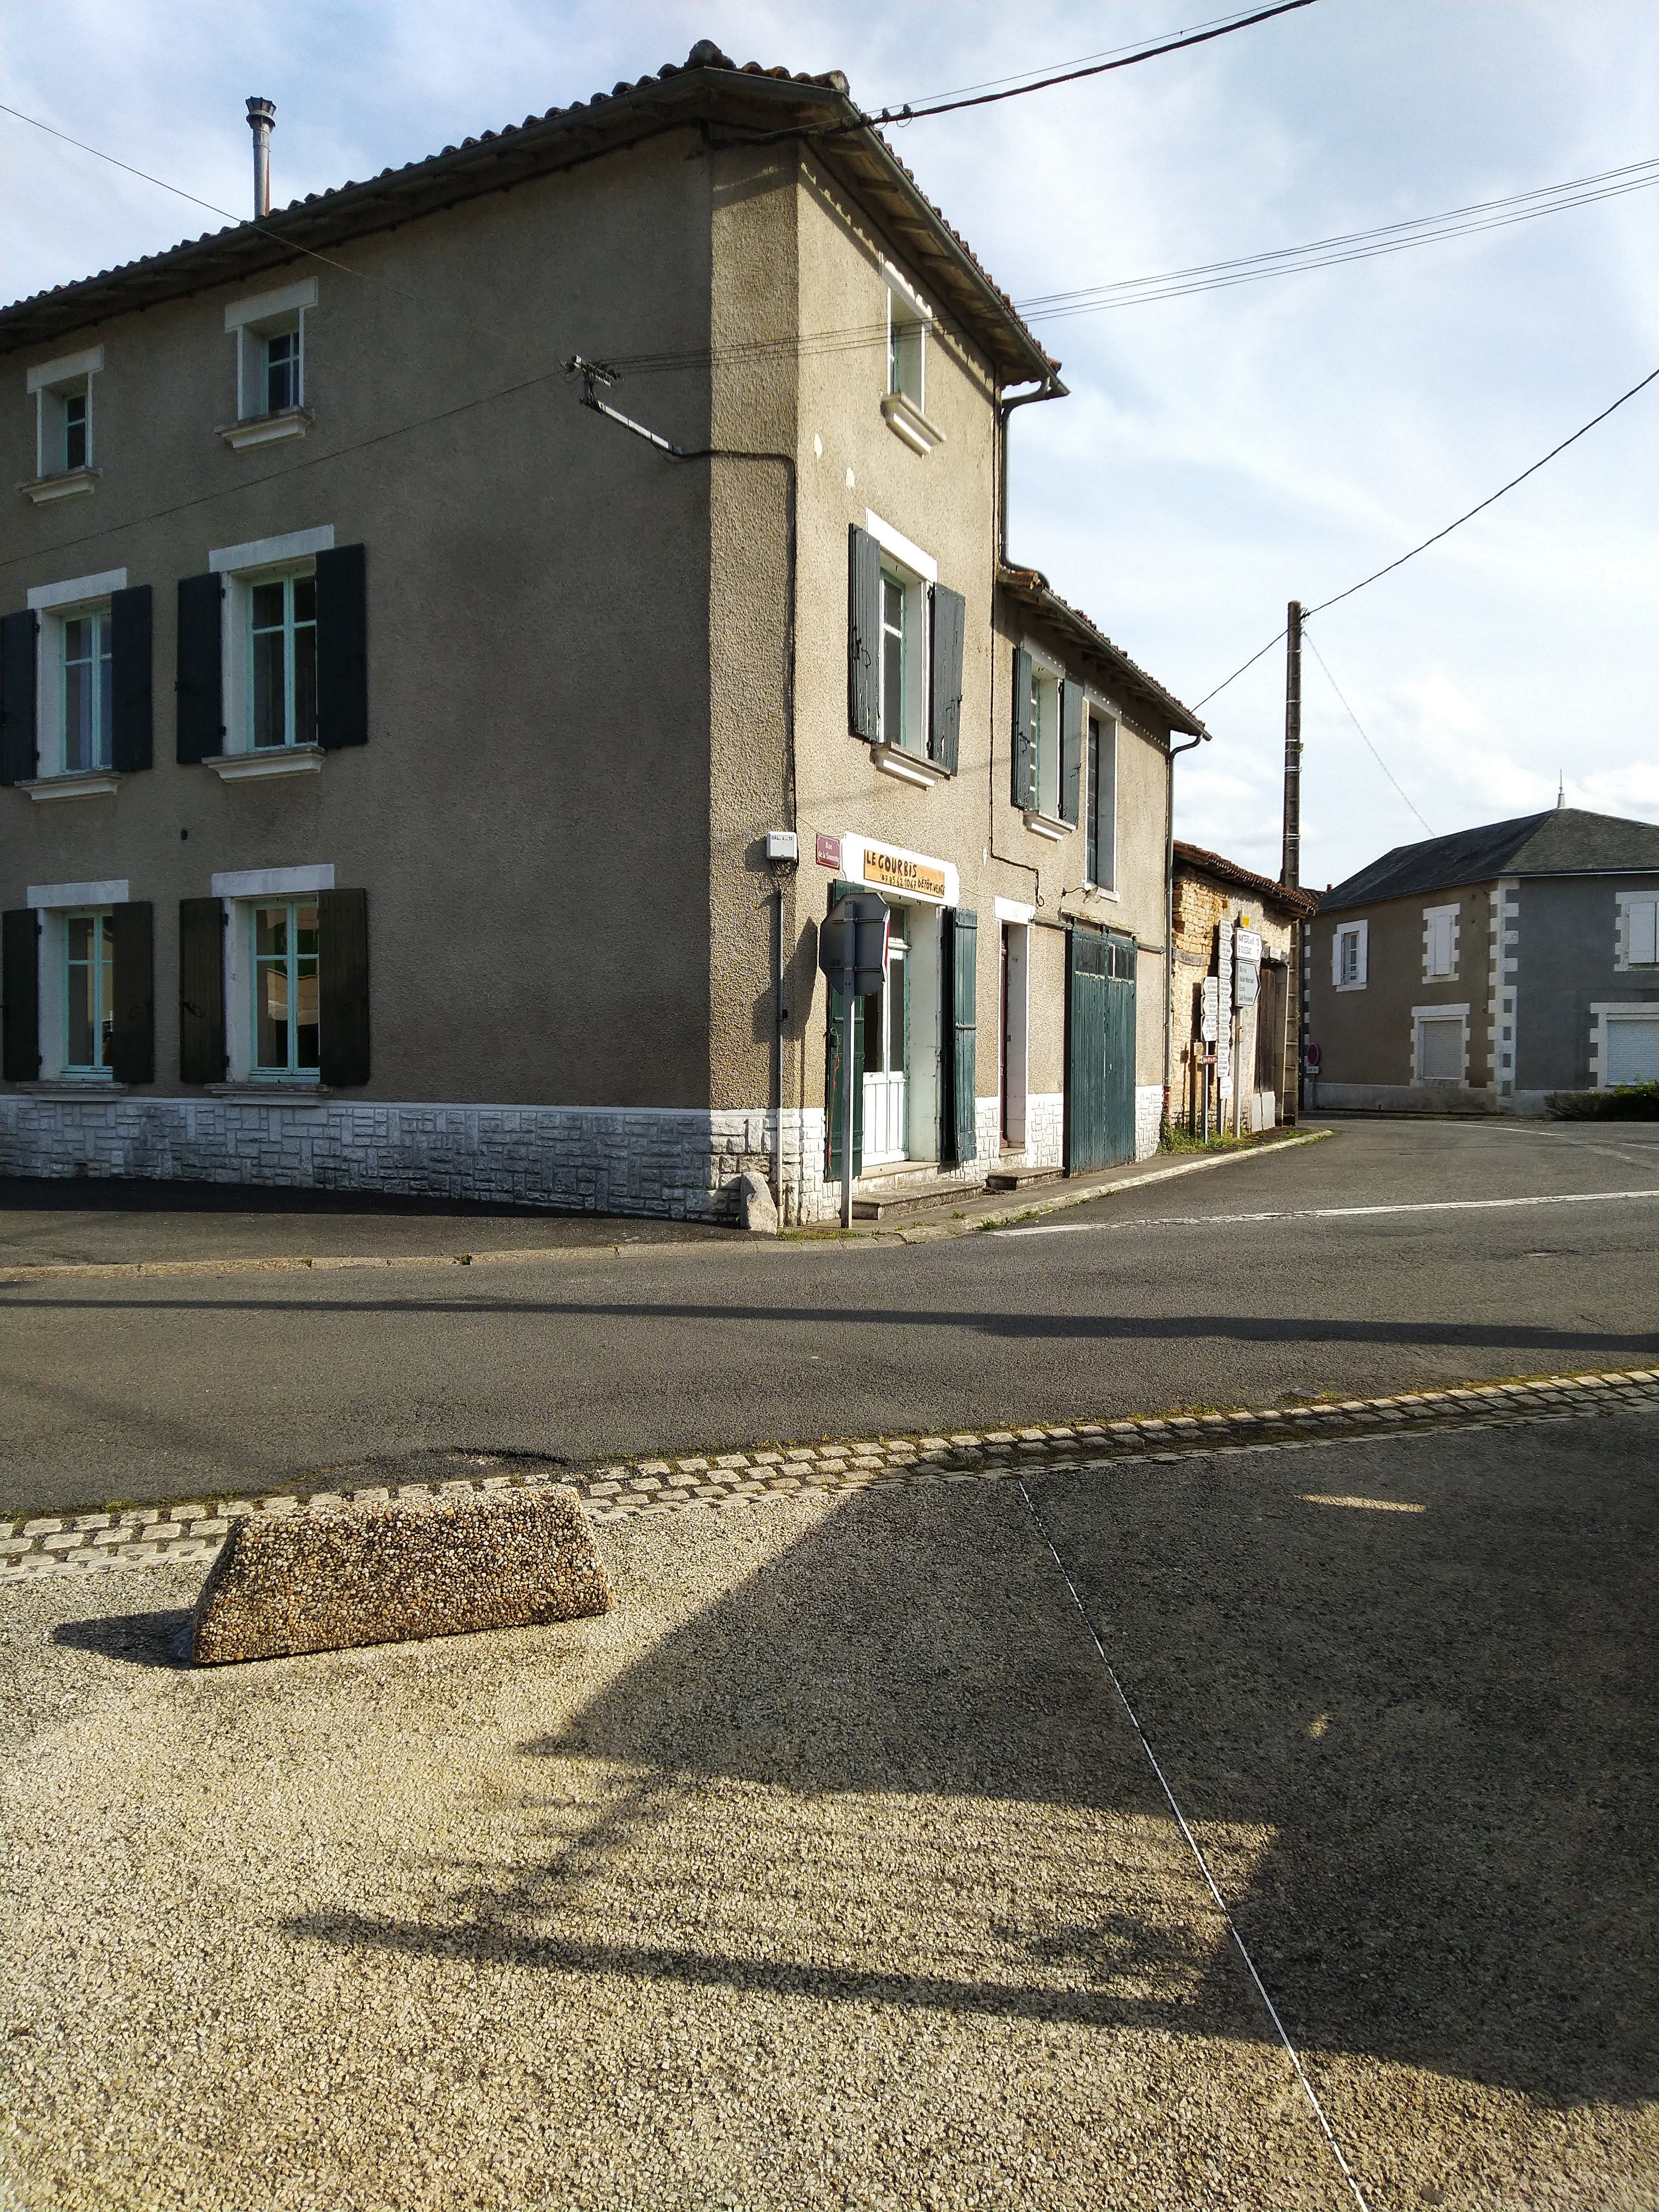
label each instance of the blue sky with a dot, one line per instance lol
(1221, 453)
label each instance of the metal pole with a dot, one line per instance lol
(1290, 863)
(849, 1006)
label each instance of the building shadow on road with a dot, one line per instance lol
(888, 1767)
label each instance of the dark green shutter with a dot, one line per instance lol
(958, 1132)
(132, 690)
(863, 634)
(342, 649)
(202, 991)
(1025, 734)
(200, 687)
(1071, 711)
(835, 1089)
(17, 758)
(342, 985)
(1092, 853)
(132, 1032)
(944, 713)
(20, 979)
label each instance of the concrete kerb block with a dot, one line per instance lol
(392, 1573)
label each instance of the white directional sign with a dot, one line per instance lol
(1209, 1016)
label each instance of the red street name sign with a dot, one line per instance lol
(828, 851)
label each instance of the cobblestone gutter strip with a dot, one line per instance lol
(918, 1232)
(89, 1543)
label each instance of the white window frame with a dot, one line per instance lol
(1360, 932)
(1626, 944)
(916, 571)
(908, 315)
(1421, 1015)
(50, 384)
(55, 605)
(290, 1075)
(1606, 1013)
(1441, 921)
(286, 579)
(1096, 710)
(257, 562)
(55, 904)
(1046, 678)
(253, 320)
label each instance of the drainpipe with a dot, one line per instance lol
(261, 120)
(1202, 738)
(1051, 388)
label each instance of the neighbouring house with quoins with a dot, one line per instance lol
(1482, 972)
(416, 780)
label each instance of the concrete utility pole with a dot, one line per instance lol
(1290, 862)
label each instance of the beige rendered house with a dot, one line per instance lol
(1480, 973)
(417, 780)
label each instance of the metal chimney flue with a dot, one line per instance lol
(261, 117)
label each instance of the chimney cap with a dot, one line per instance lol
(261, 113)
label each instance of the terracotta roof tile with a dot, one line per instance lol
(1213, 864)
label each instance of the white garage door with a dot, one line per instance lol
(1440, 1051)
(1633, 1049)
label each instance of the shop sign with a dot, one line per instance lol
(898, 871)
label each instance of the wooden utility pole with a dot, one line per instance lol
(1290, 862)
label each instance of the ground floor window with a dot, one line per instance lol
(285, 1024)
(886, 1018)
(1630, 1052)
(89, 992)
(1440, 1044)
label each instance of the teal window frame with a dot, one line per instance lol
(298, 659)
(297, 968)
(96, 691)
(98, 970)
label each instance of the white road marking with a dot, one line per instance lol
(1370, 1505)
(1332, 1213)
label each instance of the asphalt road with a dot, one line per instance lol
(1234, 1287)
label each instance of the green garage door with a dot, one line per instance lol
(1100, 1050)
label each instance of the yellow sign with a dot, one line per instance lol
(892, 871)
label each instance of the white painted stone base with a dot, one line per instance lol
(684, 1164)
(1149, 1116)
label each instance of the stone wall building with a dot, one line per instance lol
(1214, 900)
(402, 758)
(1478, 973)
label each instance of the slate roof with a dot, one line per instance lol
(1032, 588)
(1564, 841)
(708, 88)
(1292, 900)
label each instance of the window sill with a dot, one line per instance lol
(72, 1086)
(906, 420)
(64, 485)
(1046, 825)
(266, 429)
(909, 768)
(1348, 987)
(278, 1091)
(78, 783)
(270, 760)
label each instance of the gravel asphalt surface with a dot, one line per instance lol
(1233, 1286)
(827, 1869)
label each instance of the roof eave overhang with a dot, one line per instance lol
(1031, 591)
(690, 98)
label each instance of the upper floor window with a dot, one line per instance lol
(282, 660)
(269, 332)
(905, 403)
(62, 391)
(1348, 956)
(1100, 844)
(89, 679)
(1439, 943)
(1048, 744)
(905, 633)
(1639, 930)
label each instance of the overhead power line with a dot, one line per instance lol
(1388, 567)
(1358, 726)
(1048, 68)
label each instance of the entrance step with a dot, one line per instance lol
(1022, 1178)
(892, 1197)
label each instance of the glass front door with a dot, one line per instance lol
(887, 1061)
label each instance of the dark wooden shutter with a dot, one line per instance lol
(200, 687)
(342, 649)
(834, 1090)
(130, 654)
(945, 719)
(202, 924)
(1071, 711)
(342, 985)
(132, 1032)
(958, 1132)
(17, 756)
(1091, 778)
(1025, 734)
(20, 979)
(863, 634)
